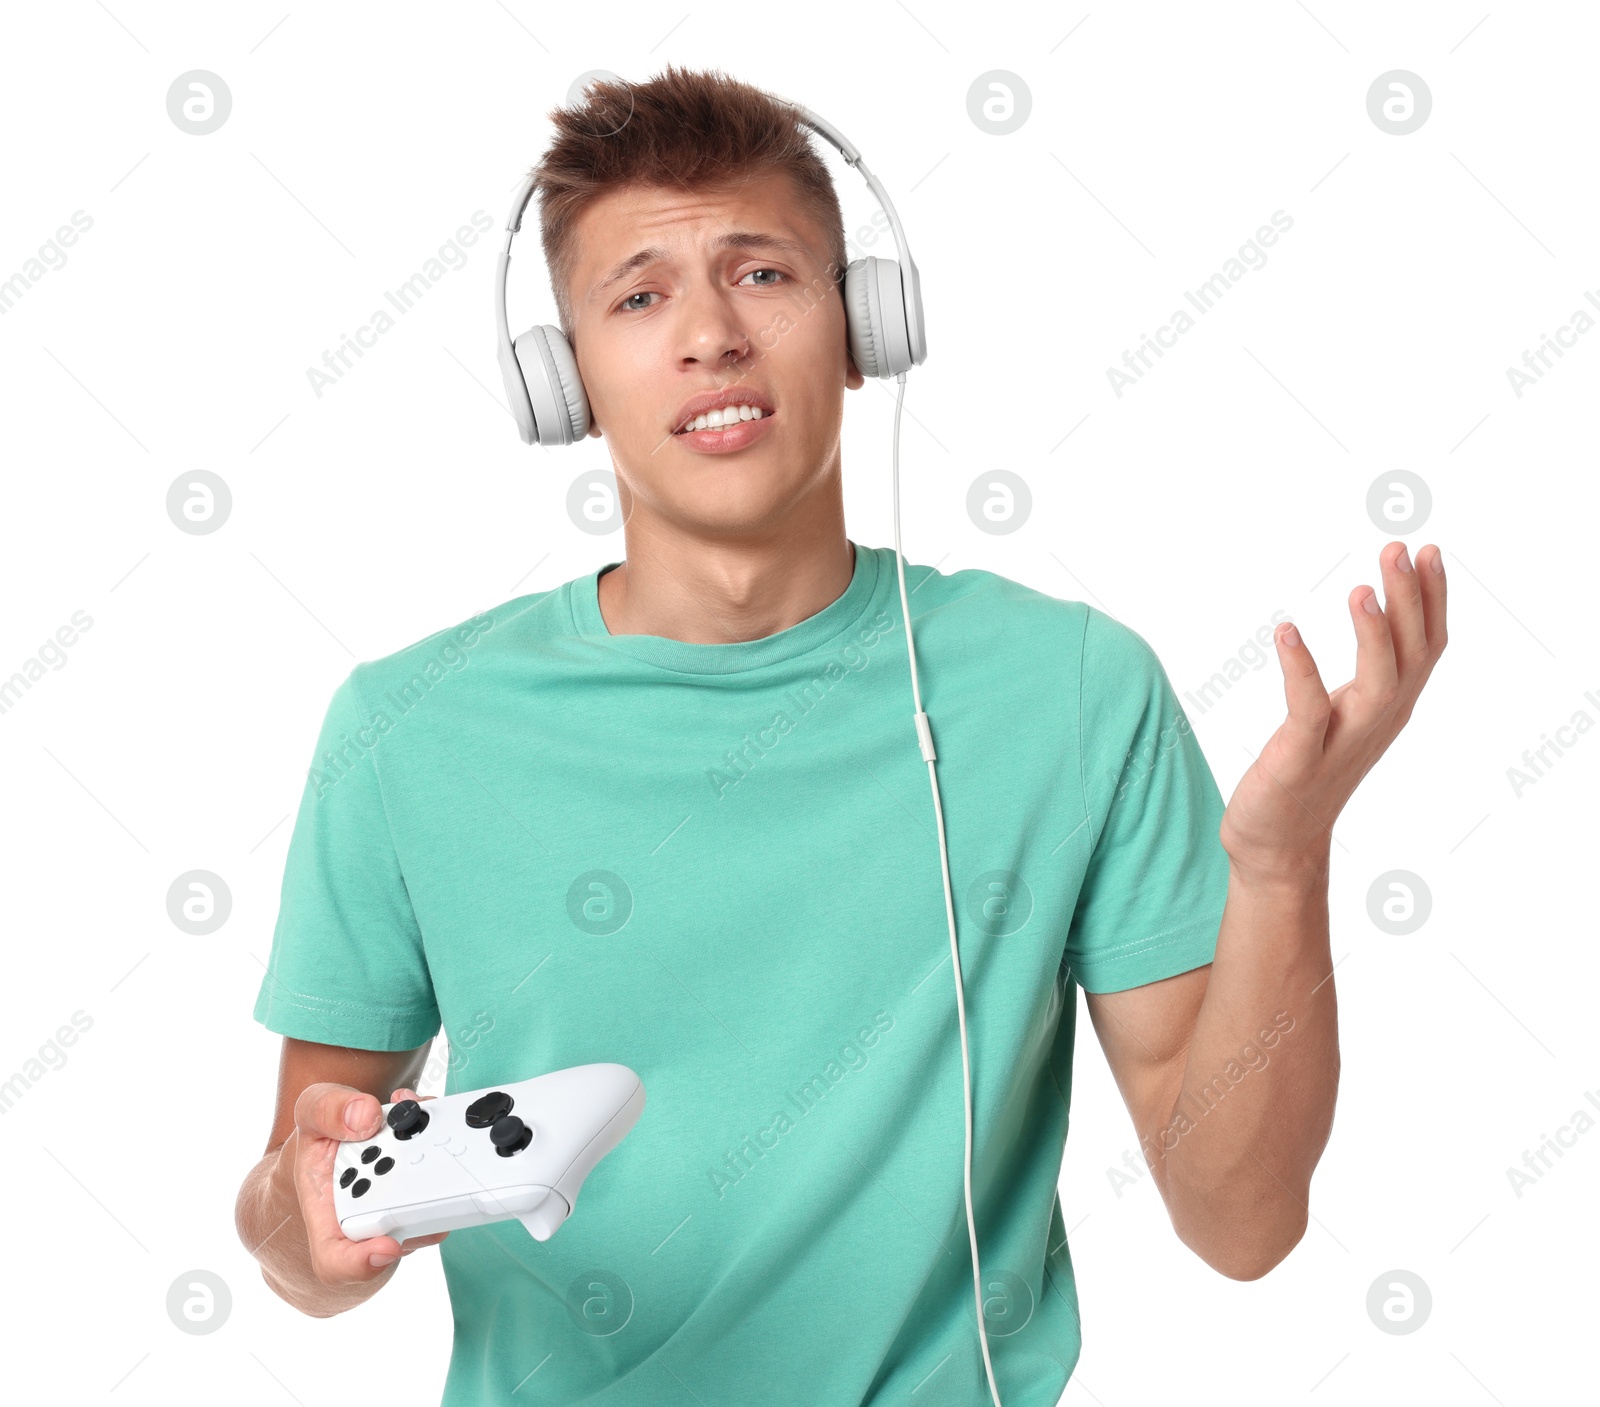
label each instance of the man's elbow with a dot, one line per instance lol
(1248, 1257)
(1246, 1268)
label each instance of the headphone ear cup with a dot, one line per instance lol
(875, 313)
(516, 389)
(555, 395)
(859, 295)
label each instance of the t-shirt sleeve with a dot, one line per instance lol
(348, 966)
(1157, 878)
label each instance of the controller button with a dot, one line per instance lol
(383, 1165)
(482, 1113)
(510, 1135)
(368, 1154)
(347, 1177)
(407, 1118)
(360, 1188)
(417, 1155)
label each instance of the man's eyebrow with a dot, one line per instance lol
(734, 239)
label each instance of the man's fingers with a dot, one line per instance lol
(400, 1095)
(1308, 703)
(1402, 608)
(337, 1111)
(1430, 567)
(340, 1261)
(1377, 681)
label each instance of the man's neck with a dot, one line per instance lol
(717, 593)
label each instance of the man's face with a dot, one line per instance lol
(734, 292)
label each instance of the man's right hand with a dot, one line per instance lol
(326, 1115)
(285, 1213)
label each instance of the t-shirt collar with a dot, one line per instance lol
(816, 631)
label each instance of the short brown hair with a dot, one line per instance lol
(681, 128)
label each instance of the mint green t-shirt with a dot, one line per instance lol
(718, 865)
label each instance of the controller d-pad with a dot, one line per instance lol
(360, 1188)
(368, 1154)
(382, 1166)
(407, 1118)
(482, 1113)
(347, 1177)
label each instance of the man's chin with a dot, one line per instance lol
(735, 508)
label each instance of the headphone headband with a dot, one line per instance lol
(913, 281)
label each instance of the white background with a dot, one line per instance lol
(1230, 483)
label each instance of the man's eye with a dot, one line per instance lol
(627, 305)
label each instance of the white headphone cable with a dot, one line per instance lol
(925, 741)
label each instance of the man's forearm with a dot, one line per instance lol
(273, 1230)
(1256, 1104)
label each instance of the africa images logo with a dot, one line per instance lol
(449, 658)
(738, 762)
(740, 1160)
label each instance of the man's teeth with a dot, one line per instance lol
(729, 415)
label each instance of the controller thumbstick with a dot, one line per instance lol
(407, 1118)
(510, 1135)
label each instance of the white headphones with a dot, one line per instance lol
(882, 301)
(883, 315)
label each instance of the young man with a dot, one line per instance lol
(672, 814)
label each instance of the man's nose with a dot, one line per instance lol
(713, 330)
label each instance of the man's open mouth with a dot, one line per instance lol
(724, 419)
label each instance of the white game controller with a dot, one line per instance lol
(518, 1151)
